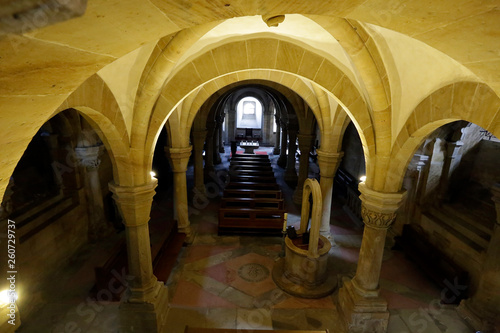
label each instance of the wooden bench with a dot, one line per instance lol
(251, 193)
(243, 172)
(441, 269)
(255, 179)
(250, 163)
(116, 259)
(250, 168)
(251, 220)
(252, 185)
(258, 203)
(250, 156)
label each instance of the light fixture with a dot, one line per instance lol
(362, 179)
(153, 174)
(6, 297)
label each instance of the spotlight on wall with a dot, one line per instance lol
(153, 174)
(362, 179)
(6, 297)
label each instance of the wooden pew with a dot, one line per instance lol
(250, 163)
(251, 220)
(254, 179)
(251, 193)
(250, 167)
(252, 185)
(257, 203)
(250, 156)
(251, 172)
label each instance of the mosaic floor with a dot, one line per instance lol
(225, 282)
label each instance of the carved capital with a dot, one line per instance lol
(328, 162)
(377, 219)
(89, 157)
(179, 157)
(378, 209)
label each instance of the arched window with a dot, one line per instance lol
(249, 113)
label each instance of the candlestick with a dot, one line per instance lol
(284, 221)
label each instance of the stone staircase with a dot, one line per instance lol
(469, 221)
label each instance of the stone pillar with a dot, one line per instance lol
(328, 164)
(362, 308)
(52, 142)
(276, 150)
(199, 181)
(482, 310)
(209, 149)
(89, 157)
(179, 158)
(267, 130)
(291, 171)
(451, 148)
(215, 151)
(146, 303)
(221, 142)
(424, 167)
(231, 125)
(284, 143)
(305, 145)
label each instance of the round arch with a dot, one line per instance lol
(470, 101)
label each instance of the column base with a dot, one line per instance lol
(282, 161)
(146, 316)
(470, 315)
(276, 151)
(362, 313)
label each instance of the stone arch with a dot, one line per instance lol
(470, 101)
(234, 61)
(96, 103)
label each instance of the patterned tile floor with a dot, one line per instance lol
(226, 282)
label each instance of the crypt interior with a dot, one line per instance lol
(127, 127)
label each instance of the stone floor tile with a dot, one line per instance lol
(221, 318)
(254, 319)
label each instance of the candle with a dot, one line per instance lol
(284, 221)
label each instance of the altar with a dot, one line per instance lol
(249, 146)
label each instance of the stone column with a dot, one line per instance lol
(305, 145)
(284, 143)
(328, 164)
(482, 310)
(291, 171)
(451, 148)
(179, 158)
(267, 130)
(198, 140)
(231, 125)
(52, 142)
(362, 307)
(215, 151)
(424, 167)
(145, 307)
(209, 149)
(276, 150)
(89, 157)
(221, 143)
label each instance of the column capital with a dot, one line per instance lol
(134, 202)
(328, 162)
(179, 157)
(378, 209)
(89, 157)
